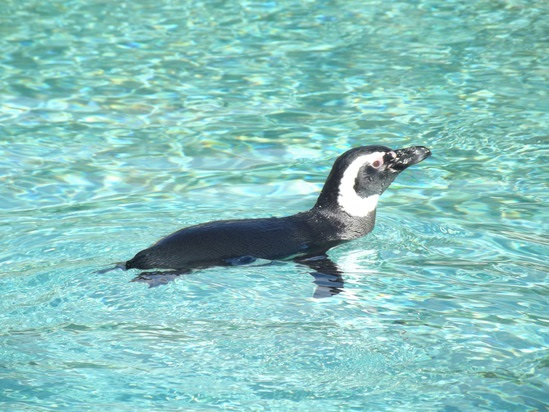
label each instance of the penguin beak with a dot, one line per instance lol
(400, 159)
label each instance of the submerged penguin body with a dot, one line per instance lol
(345, 210)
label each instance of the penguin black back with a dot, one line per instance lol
(345, 210)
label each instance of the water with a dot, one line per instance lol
(124, 121)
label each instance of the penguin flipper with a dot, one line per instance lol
(159, 278)
(327, 276)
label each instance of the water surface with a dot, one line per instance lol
(124, 121)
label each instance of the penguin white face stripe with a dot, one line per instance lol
(348, 198)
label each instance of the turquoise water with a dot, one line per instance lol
(124, 121)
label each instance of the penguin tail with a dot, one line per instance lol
(119, 265)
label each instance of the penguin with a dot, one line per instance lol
(345, 210)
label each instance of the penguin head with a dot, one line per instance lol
(360, 175)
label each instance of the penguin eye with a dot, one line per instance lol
(376, 164)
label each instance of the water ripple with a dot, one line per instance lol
(124, 121)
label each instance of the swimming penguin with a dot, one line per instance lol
(345, 210)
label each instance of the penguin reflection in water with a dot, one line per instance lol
(345, 210)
